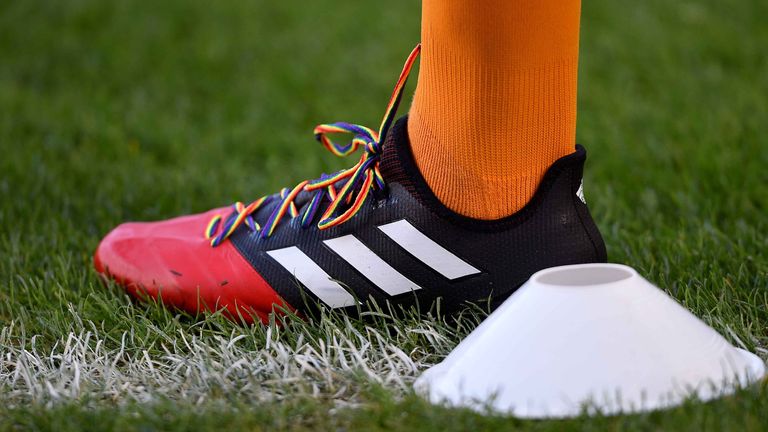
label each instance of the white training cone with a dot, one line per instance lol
(592, 336)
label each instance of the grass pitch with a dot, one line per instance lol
(111, 111)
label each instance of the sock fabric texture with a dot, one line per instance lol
(495, 103)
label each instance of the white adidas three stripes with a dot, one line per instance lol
(370, 265)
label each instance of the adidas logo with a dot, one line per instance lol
(370, 265)
(580, 192)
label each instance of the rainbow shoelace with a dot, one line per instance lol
(358, 181)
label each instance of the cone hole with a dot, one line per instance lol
(584, 276)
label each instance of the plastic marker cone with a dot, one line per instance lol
(594, 337)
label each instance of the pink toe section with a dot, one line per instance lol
(174, 261)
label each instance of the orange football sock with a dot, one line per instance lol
(495, 103)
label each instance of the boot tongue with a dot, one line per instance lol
(395, 150)
(397, 164)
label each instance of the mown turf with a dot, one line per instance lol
(112, 111)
